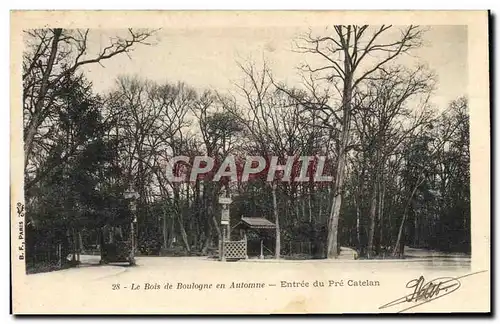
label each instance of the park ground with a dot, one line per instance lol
(414, 259)
(109, 289)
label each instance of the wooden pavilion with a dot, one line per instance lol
(257, 226)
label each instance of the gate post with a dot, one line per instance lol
(246, 244)
(224, 201)
(223, 247)
(261, 249)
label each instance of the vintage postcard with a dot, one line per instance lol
(250, 162)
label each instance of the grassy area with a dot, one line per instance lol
(46, 267)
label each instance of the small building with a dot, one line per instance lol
(255, 223)
(257, 233)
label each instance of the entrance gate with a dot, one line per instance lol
(235, 250)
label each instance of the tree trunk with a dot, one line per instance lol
(171, 230)
(177, 214)
(371, 229)
(332, 250)
(358, 199)
(73, 245)
(381, 214)
(211, 209)
(358, 223)
(164, 229)
(303, 205)
(397, 248)
(277, 223)
(197, 215)
(416, 231)
(205, 214)
(333, 220)
(296, 204)
(184, 234)
(310, 205)
(320, 211)
(208, 238)
(39, 109)
(217, 227)
(80, 242)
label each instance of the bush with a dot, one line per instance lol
(149, 245)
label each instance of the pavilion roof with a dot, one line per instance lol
(255, 223)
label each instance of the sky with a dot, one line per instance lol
(206, 57)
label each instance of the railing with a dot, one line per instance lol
(235, 250)
(292, 248)
(44, 258)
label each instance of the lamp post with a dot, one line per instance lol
(225, 202)
(131, 195)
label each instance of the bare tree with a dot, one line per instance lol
(219, 133)
(349, 54)
(388, 115)
(149, 120)
(438, 138)
(272, 121)
(52, 58)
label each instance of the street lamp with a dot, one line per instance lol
(131, 195)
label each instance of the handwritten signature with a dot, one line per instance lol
(425, 292)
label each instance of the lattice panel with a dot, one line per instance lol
(235, 249)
